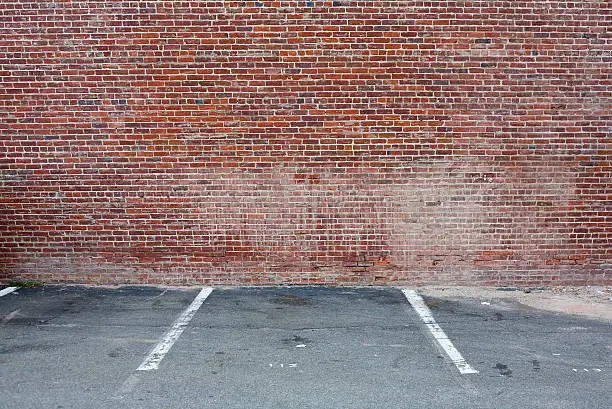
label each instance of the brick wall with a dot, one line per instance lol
(305, 142)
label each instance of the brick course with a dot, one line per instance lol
(306, 142)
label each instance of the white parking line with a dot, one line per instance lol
(7, 290)
(425, 313)
(163, 346)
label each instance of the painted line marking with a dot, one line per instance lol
(425, 313)
(163, 346)
(11, 315)
(7, 290)
(127, 387)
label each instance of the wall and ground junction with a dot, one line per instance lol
(306, 142)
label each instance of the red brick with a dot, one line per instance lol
(353, 142)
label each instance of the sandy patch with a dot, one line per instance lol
(592, 302)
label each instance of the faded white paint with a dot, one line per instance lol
(7, 290)
(163, 346)
(425, 313)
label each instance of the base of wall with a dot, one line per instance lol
(118, 275)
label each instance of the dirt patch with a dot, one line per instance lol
(589, 301)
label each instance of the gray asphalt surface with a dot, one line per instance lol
(295, 347)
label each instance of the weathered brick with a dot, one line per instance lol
(305, 142)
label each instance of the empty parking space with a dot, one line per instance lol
(75, 347)
(67, 346)
(313, 347)
(529, 357)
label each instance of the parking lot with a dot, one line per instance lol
(293, 347)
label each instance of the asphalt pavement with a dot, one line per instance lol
(292, 347)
